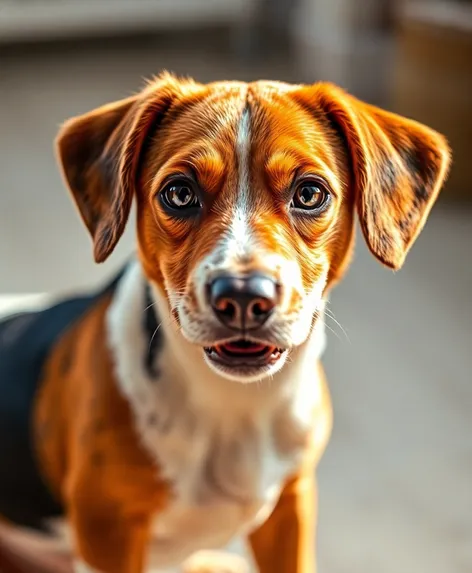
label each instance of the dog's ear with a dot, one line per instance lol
(398, 166)
(100, 152)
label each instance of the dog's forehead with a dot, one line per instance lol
(213, 120)
(203, 119)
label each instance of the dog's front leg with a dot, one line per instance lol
(104, 545)
(285, 542)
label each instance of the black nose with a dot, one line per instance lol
(243, 302)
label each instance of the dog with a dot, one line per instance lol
(174, 418)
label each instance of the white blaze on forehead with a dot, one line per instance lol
(239, 231)
(243, 149)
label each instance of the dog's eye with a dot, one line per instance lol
(310, 196)
(180, 195)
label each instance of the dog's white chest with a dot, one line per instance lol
(221, 493)
(225, 462)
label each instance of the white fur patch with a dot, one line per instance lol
(239, 233)
(243, 145)
(225, 447)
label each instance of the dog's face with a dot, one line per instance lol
(241, 219)
(245, 198)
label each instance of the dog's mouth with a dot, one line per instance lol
(244, 352)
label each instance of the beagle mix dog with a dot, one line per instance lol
(174, 419)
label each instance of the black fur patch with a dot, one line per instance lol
(153, 336)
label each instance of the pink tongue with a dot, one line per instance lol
(236, 349)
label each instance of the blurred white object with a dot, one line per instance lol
(57, 19)
(11, 304)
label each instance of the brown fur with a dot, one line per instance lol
(91, 455)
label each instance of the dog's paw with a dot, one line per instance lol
(215, 562)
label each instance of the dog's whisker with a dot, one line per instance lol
(153, 304)
(167, 321)
(154, 334)
(330, 314)
(333, 331)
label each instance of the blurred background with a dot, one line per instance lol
(396, 481)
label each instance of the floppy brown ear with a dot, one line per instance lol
(99, 153)
(398, 164)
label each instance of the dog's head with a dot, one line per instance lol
(245, 201)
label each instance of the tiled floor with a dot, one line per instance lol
(396, 481)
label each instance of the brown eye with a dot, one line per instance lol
(310, 196)
(180, 195)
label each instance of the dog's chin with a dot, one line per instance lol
(245, 361)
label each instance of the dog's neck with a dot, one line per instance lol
(148, 346)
